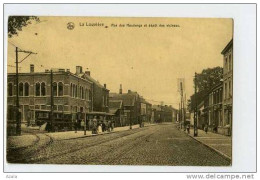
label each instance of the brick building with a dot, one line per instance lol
(100, 92)
(131, 105)
(71, 93)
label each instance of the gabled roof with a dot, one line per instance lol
(230, 44)
(115, 105)
(128, 99)
(86, 76)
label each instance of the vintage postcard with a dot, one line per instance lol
(119, 91)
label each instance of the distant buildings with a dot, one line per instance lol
(135, 107)
(164, 113)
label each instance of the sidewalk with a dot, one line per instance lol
(30, 139)
(80, 134)
(219, 143)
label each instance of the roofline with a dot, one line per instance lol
(227, 47)
(48, 73)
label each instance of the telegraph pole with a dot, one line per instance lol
(18, 116)
(18, 119)
(52, 102)
(182, 112)
(195, 108)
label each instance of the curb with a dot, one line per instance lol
(92, 135)
(211, 148)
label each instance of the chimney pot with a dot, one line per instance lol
(87, 72)
(78, 70)
(105, 85)
(31, 68)
(120, 90)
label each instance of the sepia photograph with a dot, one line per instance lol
(119, 91)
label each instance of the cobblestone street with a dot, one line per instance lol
(154, 145)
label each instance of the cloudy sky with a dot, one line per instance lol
(148, 60)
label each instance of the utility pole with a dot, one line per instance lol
(195, 108)
(182, 112)
(52, 101)
(18, 117)
(18, 114)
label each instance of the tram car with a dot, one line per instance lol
(61, 121)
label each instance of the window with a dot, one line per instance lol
(10, 89)
(60, 87)
(54, 89)
(76, 95)
(20, 89)
(43, 107)
(60, 108)
(43, 89)
(229, 62)
(26, 89)
(71, 90)
(225, 91)
(37, 89)
(226, 65)
(230, 89)
(86, 94)
(82, 93)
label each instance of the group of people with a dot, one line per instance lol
(101, 125)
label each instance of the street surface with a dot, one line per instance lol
(161, 144)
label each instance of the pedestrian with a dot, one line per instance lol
(75, 126)
(109, 126)
(48, 127)
(206, 128)
(188, 128)
(95, 125)
(112, 125)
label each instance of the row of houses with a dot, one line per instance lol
(75, 93)
(215, 106)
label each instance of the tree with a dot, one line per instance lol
(16, 23)
(208, 78)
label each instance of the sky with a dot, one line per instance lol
(148, 60)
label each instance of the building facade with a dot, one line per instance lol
(226, 125)
(214, 108)
(100, 93)
(71, 94)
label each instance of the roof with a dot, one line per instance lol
(48, 73)
(127, 98)
(86, 76)
(115, 104)
(230, 44)
(157, 107)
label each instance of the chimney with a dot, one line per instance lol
(68, 70)
(87, 72)
(31, 68)
(120, 90)
(105, 85)
(78, 69)
(129, 91)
